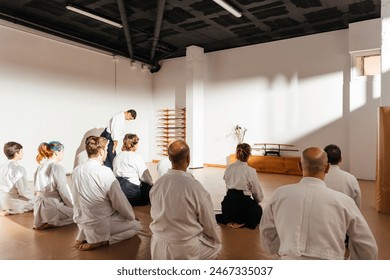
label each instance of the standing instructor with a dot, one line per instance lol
(114, 133)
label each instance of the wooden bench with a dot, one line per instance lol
(273, 164)
(273, 149)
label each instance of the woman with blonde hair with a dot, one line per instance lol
(132, 173)
(54, 205)
(240, 206)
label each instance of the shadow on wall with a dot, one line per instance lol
(358, 145)
(81, 148)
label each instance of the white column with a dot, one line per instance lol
(194, 104)
(360, 105)
(385, 53)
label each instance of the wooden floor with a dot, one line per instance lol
(18, 241)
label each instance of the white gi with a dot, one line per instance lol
(81, 158)
(130, 165)
(342, 181)
(101, 210)
(116, 126)
(240, 176)
(163, 166)
(307, 220)
(183, 225)
(15, 195)
(53, 203)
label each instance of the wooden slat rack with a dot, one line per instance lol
(171, 125)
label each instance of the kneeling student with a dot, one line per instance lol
(183, 225)
(53, 204)
(101, 210)
(131, 171)
(15, 195)
(239, 209)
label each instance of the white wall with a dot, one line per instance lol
(54, 91)
(294, 91)
(365, 35)
(288, 91)
(365, 93)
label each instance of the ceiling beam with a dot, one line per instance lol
(157, 28)
(126, 29)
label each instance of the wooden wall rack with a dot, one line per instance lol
(171, 126)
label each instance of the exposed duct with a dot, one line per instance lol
(126, 29)
(157, 28)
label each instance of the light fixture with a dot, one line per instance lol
(228, 8)
(88, 14)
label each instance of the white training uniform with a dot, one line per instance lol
(81, 158)
(15, 194)
(184, 225)
(163, 166)
(53, 204)
(240, 176)
(101, 209)
(130, 165)
(116, 126)
(307, 220)
(344, 182)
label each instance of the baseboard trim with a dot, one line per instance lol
(205, 164)
(214, 165)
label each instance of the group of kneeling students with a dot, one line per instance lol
(317, 218)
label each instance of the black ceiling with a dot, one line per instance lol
(185, 22)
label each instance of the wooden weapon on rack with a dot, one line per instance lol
(273, 148)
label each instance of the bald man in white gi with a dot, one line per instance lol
(184, 225)
(101, 210)
(308, 220)
(338, 179)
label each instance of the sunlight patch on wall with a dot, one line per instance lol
(358, 95)
(296, 109)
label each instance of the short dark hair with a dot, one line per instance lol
(133, 113)
(11, 148)
(334, 154)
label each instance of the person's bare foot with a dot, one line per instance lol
(79, 243)
(3, 213)
(235, 225)
(44, 226)
(87, 246)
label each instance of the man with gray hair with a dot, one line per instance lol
(307, 220)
